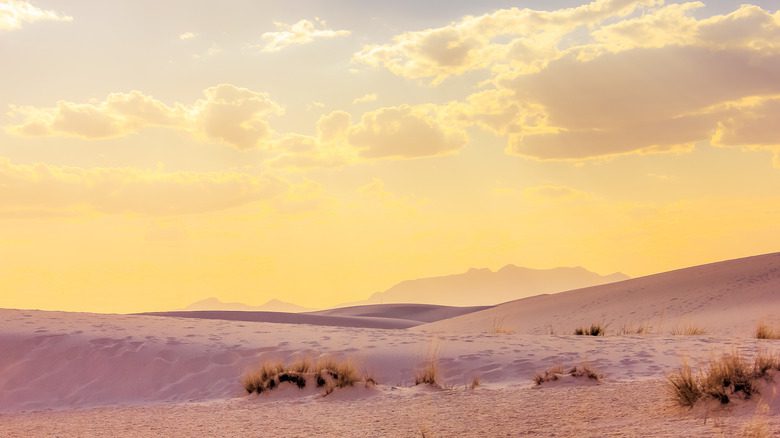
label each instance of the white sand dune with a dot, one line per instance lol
(149, 375)
(384, 316)
(419, 313)
(725, 298)
(292, 318)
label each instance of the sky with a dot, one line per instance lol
(153, 154)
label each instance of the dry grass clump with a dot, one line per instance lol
(763, 331)
(594, 330)
(684, 386)
(688, 330)
(475, 382)
(725, 378)
(499, 328)
(327, 373)
(641, 329)
(428, 374)
(559, 371)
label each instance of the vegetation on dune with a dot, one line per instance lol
(559, 371)
(724, 379)
(595, 329)
(328, 374)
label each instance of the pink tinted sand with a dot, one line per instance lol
(78, 374)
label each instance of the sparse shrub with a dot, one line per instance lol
(724, 378)
(499, 327)
(641, 329)
(684, 386)
(428, 374)
(688, 330)
(585, 371)
(763, 331)
(729, 376)
(475, 382)
(593, 330)
(328, 373)
(765, 362)
(559, 371)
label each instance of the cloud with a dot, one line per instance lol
(187, 36)
(400, 132)
(14, 14)
(639, 100)
(527, 37)
(406, 132)
(371, 97)
(44, 189)
(227, 113)
(603, 79)
(302, 32)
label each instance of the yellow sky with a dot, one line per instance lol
(152, 155)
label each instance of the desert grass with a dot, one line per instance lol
(684, 387)
(327, 373)
(763, 331)
(428, 374)
(640, 329)
(475, 382)
(688, 330)
(499, 328)
(595, 329)
(558, 371)
(726, 378)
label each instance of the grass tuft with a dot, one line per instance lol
(559, 371)
(328, 373)
(763, 331)
(594, 330)
(724, 379)
(428, 374)
(684, 386)
(688, 330)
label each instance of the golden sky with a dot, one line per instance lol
(156, 153)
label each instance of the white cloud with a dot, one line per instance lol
(227, 113)
(187, 36)
(15, 13)
(302, 32)
(371, 97)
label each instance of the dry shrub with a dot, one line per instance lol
(684, 386)
(559, 371)
(499, 327)
(595, 329)
(640, 329)
(328, 373)
(475, 382)
(428, 374)
(688, 330)
(725, 378)
(763, 331)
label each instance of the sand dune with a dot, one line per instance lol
(726, 298)
(292, 318)
(182, 375)
(420, 313)
(385, 316)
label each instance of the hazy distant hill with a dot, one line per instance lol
(480, 287)
(271, 306)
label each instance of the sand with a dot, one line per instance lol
(81, 374)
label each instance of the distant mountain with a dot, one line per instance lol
(482, 287)
(271, 306)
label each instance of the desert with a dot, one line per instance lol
(76, 374)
